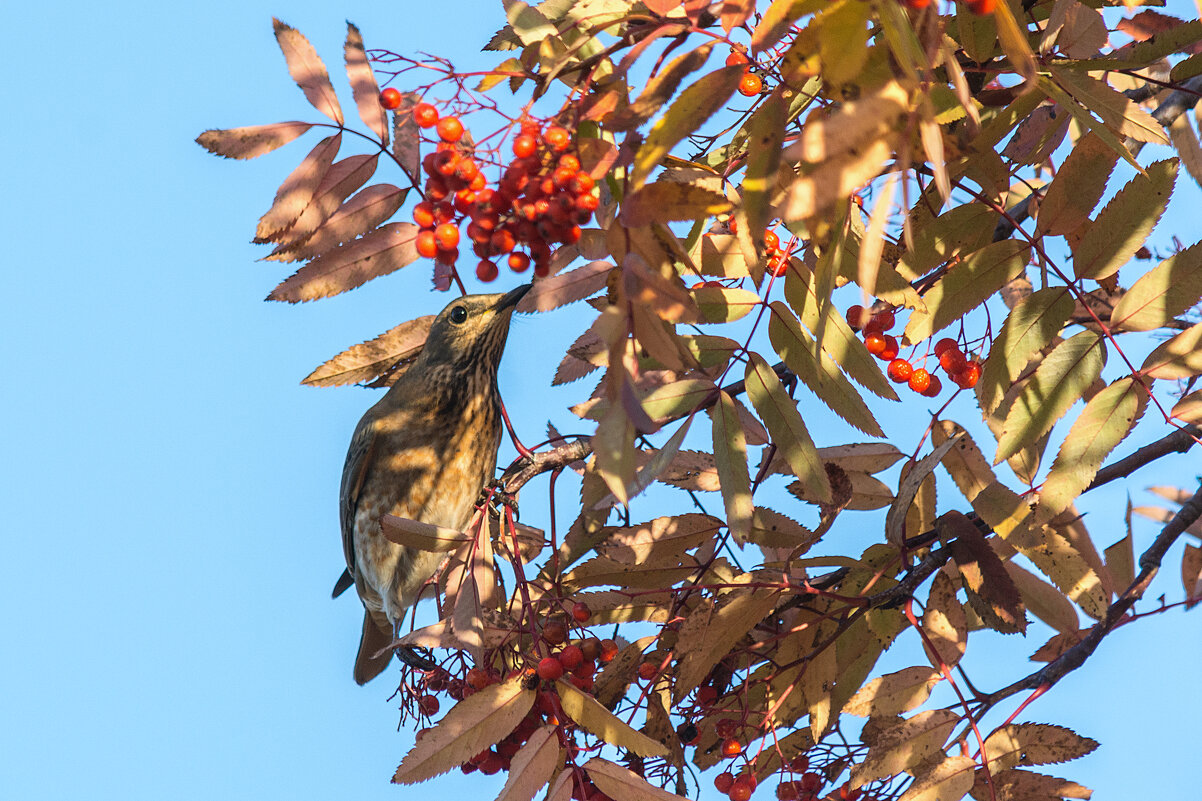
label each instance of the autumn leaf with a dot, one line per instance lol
(659, 89)
(991, 592)
(784, 422)
(1121, 114)
(475, 723)
(712, 629)
(298, 188)
(665, 201)
(618, 782)
(896, 745)
(384, 250)
(341, 180)
(532, 766)
(966, 286)
(765, 133)
(1034, 744)
(251, 141)
(363, 84)
(307, 69)
(1162, 293)
(1123, 225)
(945, 623)
(1078, 186)
(893, 693)
(908, 491)
(566, 287)
(730, 454)
(720, 304)
(593, 717)
(1030, 326)
(950, 778)
(422, 536)
(362, 213)
(1023, 785)
(367, 360)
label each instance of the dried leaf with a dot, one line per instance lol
(950, 778)
(343, 178)
(1013, 39)
(1105, 422)
(897, 745)
(532, 766)
(894, 693)
(363, 85)
(1058, 383)
(695, 105)
(659, 89)
(1123, 225)
(566, 287)
(475, 723)
(367, 360)
(1191, 573)
(1045, 601)
(1078, 186)
(1116, 110)
(350, 265)
(665, 201)
(298, 188)
(765, 133)
(1034, 744)
(422, 536)
(991, 592)
(618, 782)
(730, 456)
(784, 422)
(1189, 408)
(711, 630)
(895, 520)
(968, 285)
(1022, 785)
(1162, 293)
(307, 70)
(719, 304)
(251, 141)
(595, 718)
(407, 136)
(777, 19)
(944, 622)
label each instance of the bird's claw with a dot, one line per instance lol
(494, 492)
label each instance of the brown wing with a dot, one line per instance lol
(358, 458)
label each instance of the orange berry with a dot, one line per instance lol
(731, 747)
(740, 791)
(486, 271)
(427, 245)
(788, 791)
(934, 389)
(581, 612)
(549, 668)
(874, 342)
(751, 85)
(706, 695)
(811, 782)
(447, 236)
(847, 793)
(920, 379)
(969, 376)
(736, 57)
(899, 371)
(571, 657)
(423, 214)
(724, 781)
(390, 98)
(557, 138)
(569, 161)
(778, 265)
(524, 146)
(609, 649)
(477, 679)
(450, 129)
(648, 670)
(981, 7)
(425, 115)
(916, 4)
(771, 240)
(890, 351)
(518, 262)
(428, 704)
(952, 361)
(799, 764)
(881, 321)
(591, 649)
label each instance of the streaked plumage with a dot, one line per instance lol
(423, 452)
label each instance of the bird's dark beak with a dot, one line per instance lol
(511, 298)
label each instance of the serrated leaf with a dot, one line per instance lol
(898, 745)
(1044, 600)
(532, 766)
(341, 180)
(1087, 121)
(894, 693)
(384, 250)
(307, 69)
(407, 136)
(595, 718)
(1123, 225)
(298, 188)
(945, 623)
(374, 357)
(778, 18)
(1030, 326)
(821, 376)
(730, 455)
(364, 212)
(724, 304)
(949, 779)
(528, 23)
(1058, 383)
(1078, 186)
(251, 141)
(1105, 422)
(1034, 744)
(784, 423)
(1189, 408)
(665, 201)
(1165, 291)
(363, 85)
(1115, 109)
(991, 592)
(968, 285)
(687, 113)
(1191, 573)
(566, 287)
(659, 89)
(765, 133)
(896, 518)
(1022, 785)
(421, 536)
(475, 723)
(618, 782)
(712, 629)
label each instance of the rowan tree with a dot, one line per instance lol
(758, 208)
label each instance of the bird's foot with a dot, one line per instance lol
(418, 658)
(494, 493)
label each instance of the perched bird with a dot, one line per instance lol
(423, 452)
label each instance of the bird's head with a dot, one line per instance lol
(469, 334)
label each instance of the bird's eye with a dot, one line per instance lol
(458, 315)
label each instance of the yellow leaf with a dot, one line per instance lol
(1034, 744)
(532, 766)
(1162, 293)
(897, 745)
(951, 778)
(618, 782)
(894, 693)
(944, 622)
(730, 455)
(595, 718)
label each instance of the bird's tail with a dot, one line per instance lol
(374, 638)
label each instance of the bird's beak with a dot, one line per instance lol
(511, 298)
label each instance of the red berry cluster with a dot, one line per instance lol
(963, 372)
(751, 84)
(577, 660)
(541, 200)
(778, 259)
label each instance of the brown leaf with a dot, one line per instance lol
(663, 537)
(1034, 744)
(615, 677)
(898, 745)
(532, 766)
(347, 266)
(251, 141)
(473, 724)
(343, 178)
(566, 287)
(298, 188)
(893, 693)
(397, 346)
(895, 519)
(307, 70)
(659, 89)
(363, 84)
(422, 536)
(950, 778)
(1191, 573)
(591, 716)
(1022, 785)
(1045, 601)
(989, 589)
(362, 213)
(1146, 24)
(618, 782)
(711, 630)
(666, 201)
(692, 470)
(407, 136)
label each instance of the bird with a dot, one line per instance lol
(424, 452)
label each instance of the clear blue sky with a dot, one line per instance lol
(171, 491)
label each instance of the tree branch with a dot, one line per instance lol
(1178, 441)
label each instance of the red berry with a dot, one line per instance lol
(609, 649)
(477, 679)
(811, 782)
(554, 632)
(778, 265)
(549, 668)
(735, 57)
(891, 348)
(945, 344)
(920, 379)
(799, 763)
(916, 4)
(900, 371)
(587, 203)
(751, 85)
(981, 7)
(557, 138)
(518, 262)
(425, 115)
(447, 236)
(731, 747)
(788, 791)
(591, 648)
(571, 657)
(874, 342)
(450, 129)
(582, 683)
(486, 271)
(707, 695)
(882, 321)
(952, 361)
(724, 781)
(741, 791)
(771, 240)
(428, 704)
(581, 612)
(847, 793)
(648, 670)
(855, 319)
(934, 389)
(569, 161)
(427, 245)
(502, 240)
(968, 377)
(423, 214)
(390, 98)
(524, 146)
